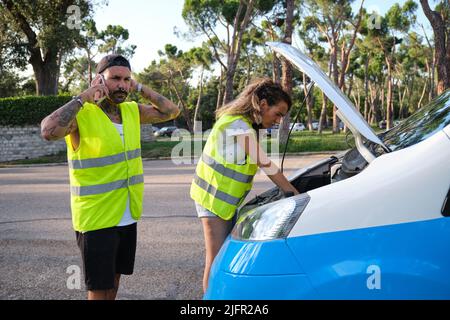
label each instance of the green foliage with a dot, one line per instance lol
(229, 10)
(365, 77)
(29, 110)
(47, 18)
(200, 14)
(200, 56)
(93, 43)
(401, 18)
(208, 103)
(113, 39)
(76, 74)
(9, 84)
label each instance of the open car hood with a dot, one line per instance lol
(346, 111)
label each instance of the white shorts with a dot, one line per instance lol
(204, 213)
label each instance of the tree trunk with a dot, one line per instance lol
(323, 119)
(345, 52)
(442, 44)
(89, 66)
(308, 103)
(45, 68)
(357, 96)
(235, 48)
(366, 89)
(431, 70)
(400, 100)
(249, 70)
(389, 100)
(286, 80)
(336, 81)
(419, 104)
(184, 108)
(199, 99)
(275, 68)
(323, 114)
(220, 90)
(376, 110)
(46, 76)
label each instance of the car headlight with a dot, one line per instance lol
(271, 221)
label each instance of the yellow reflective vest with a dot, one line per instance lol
(103, 170)
(220, 185)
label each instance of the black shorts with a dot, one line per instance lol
(105, 253)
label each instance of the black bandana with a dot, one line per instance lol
(111, 61)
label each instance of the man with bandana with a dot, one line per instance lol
(102, 132)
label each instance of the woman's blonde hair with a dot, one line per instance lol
(248, 102)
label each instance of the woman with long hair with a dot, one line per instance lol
(230, 159)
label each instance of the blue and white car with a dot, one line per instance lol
(372, 223)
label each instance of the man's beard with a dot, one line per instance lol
(118, 96)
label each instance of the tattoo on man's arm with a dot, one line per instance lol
(69, 128)
(68, 113)
(51, 132)
(161, 100)
(54, 116)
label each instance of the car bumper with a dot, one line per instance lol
(263, 270)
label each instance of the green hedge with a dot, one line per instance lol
(30, 110)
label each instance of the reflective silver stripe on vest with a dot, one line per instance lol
(104, 161)
(107, 187)
(133, 154)
(229, 173)
(136, 179)
(216, 193)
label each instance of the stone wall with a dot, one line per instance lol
(26, 143)
(147, 133)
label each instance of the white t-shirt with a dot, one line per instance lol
(231, 151)
(127, 219)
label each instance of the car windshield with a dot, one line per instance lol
(421, 125)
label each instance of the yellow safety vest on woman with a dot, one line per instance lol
(103, 170)
(218, 185)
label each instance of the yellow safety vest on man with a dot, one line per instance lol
(219, 185)
(103, 170)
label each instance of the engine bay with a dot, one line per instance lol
(324, 172)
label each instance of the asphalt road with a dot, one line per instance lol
(39, 258)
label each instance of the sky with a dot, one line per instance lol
(151, 24)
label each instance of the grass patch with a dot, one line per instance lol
(307, 141)
(60, 157)
(326, 141)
